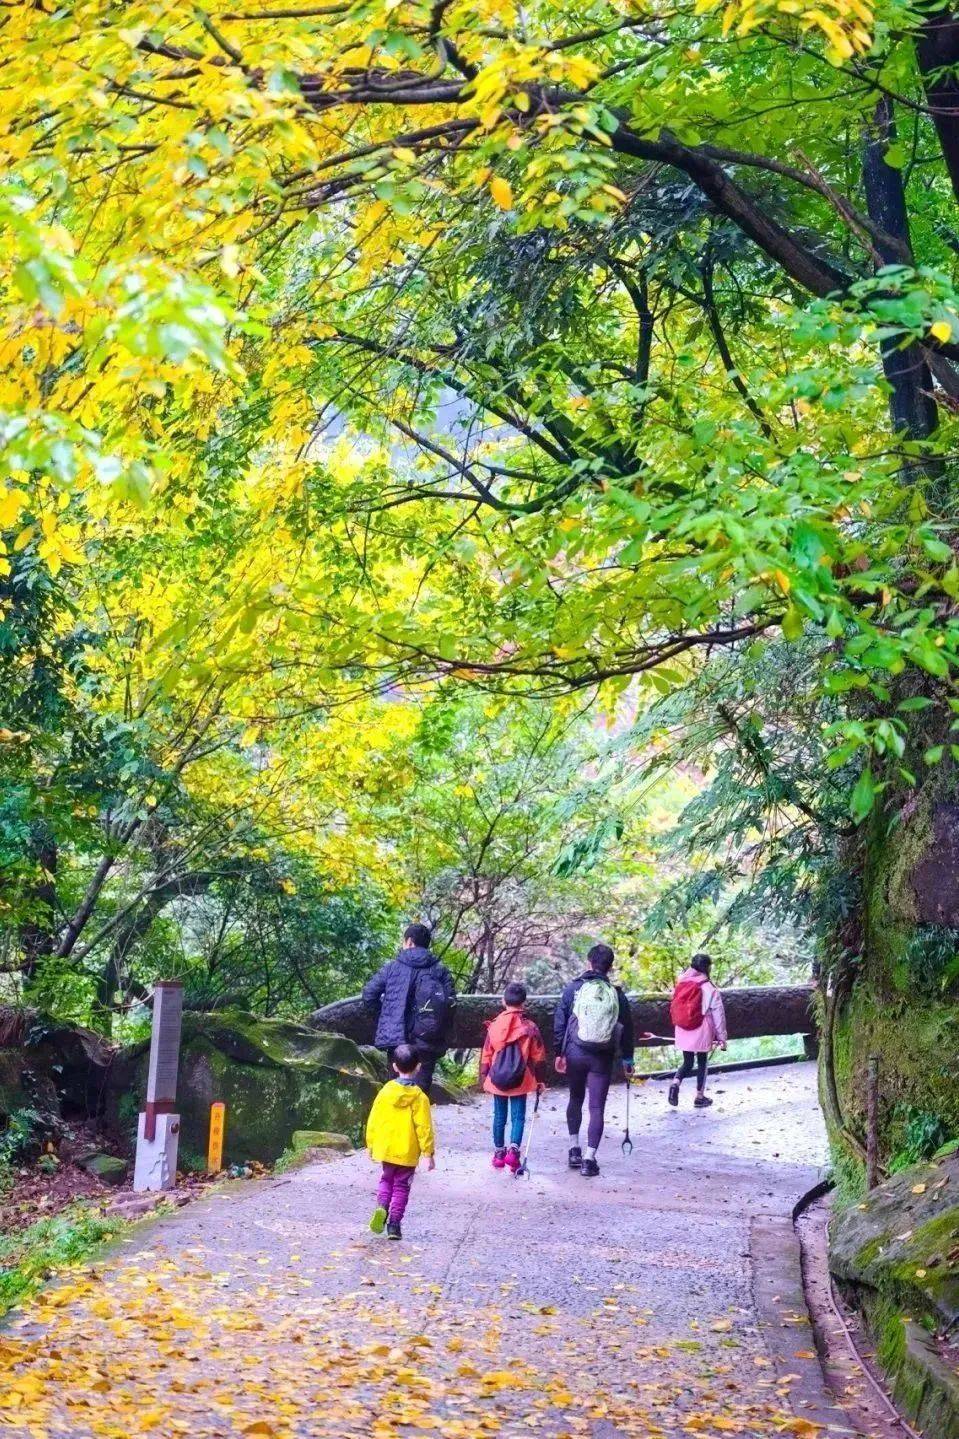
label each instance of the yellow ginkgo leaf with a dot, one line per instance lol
(502, 192)
(12, 503)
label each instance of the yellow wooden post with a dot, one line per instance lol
(214, 1162)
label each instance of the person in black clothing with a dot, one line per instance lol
(414, 999)
(592, 1019)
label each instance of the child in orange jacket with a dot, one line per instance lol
(512, 1065)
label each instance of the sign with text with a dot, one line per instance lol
(214, 1159)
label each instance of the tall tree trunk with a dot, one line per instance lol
(911, 404)
(889, 986)
(937, 52)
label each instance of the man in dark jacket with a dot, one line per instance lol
(413, 998)
(592, 1020)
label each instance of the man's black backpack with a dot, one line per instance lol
(431, 1011)
(508, 1069)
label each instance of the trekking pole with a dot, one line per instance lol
(627, 1145)
(524, 1163)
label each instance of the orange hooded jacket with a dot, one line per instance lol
(513, 1025)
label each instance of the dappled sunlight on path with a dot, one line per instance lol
(561, 1306)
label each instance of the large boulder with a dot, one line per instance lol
(275, 1078)
(49, 1068)
(896, 1257)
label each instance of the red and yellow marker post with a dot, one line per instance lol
(214, 1159)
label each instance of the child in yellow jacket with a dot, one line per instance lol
(398, 1132)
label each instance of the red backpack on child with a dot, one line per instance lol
(686, 1008)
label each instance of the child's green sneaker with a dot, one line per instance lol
(378, 1222)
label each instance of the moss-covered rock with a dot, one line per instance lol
(107, 1167)
(896, 1256)
(304, 1139)
(274, 1077)
(900, 999)
(917, 1042)
(902, 1241)
(49, 1067)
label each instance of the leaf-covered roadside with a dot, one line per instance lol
(33, 1256)
(292, 1360)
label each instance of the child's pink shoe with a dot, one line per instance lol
(512, 1160)
(499, 1158)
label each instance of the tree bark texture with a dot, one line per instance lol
(750, 1013)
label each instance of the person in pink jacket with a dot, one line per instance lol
(700, 1021)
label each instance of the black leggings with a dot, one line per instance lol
(590, 1073)
(701, 1059)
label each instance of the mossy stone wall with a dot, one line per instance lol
(903, 1002)
(895, 1254)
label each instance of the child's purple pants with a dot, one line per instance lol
(393, 1190)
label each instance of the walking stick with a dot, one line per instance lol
(627, 1145)
(524, 1163)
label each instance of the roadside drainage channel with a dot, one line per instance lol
(851, 1373)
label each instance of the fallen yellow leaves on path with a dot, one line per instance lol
(164, 1347)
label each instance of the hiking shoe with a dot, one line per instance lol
(393, 1230)
(512, 1160)
(589, 1169)
(575, 1157)
(499, 1158)
(673, 1095)
(701, 1102)
(378, 1222)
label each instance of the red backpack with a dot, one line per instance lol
(686, 1009)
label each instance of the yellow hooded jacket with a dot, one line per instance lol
(400, 1127)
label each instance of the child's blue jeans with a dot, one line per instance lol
(515, 1104)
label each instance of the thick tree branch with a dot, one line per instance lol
(584, 673)
(484, 401)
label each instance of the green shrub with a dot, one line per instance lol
(458, 1076)
(21, 1135)
(930, 963)
(29, 1259)
(190, 1162)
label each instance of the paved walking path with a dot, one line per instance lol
(659, 1300)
